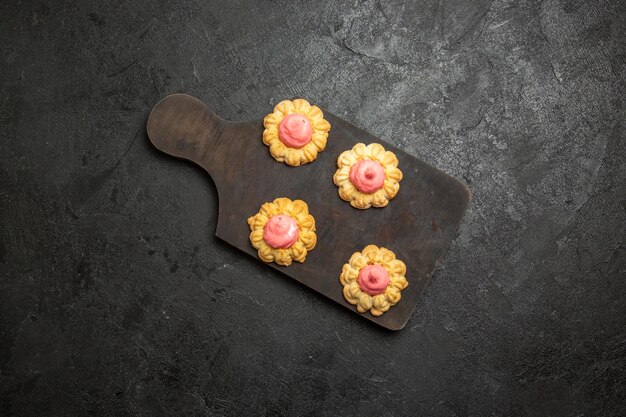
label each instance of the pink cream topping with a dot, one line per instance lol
(373, 279)
(280, 231)
(368, 176)
(295, 130)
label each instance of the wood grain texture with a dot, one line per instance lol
(418, 225)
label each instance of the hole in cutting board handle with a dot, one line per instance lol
(183, 126)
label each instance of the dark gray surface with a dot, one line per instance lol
(116, 298)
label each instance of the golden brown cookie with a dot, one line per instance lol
(373, 280)
(367, 176)
(295, 132)
(283, 231)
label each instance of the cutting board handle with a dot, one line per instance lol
(182, 126)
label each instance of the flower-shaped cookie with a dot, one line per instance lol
(283, 231)
(295, 132)
(373, 279)
(367, 176)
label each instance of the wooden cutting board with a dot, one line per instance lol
(418, 224)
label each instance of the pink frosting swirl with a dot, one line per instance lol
(280, 231)
(373, 279)
(295, 130)
(368, 176)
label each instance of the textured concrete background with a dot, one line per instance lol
(116, 298)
